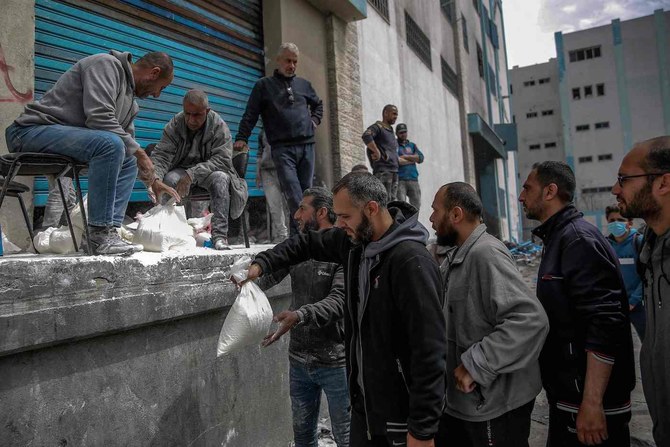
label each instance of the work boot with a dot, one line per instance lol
(106, 241)
(221, 244)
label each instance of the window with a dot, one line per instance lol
(548, 145)
(449, 9)
(600, 89)
(604, 157)
(596, 189)
(602, 125)
(475, 3)
(493, 83)
(588, 91)
(588, 159)
(529, 83)
(534, 147)
(544, 81)
(511, 89)
(480, 61)
(449, 77)
(547, 112)
(576, 94)
(382, 7)
(584, 54)
(582, 127)
(531, 115)
(418, 41)
(605, 189)
(466, 44)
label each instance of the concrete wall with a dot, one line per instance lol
(17, 37)
(122, 351)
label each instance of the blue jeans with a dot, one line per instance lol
(295, 168)
(306, 384)
(111, 172)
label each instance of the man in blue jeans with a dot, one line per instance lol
(88, 115)
(291, 110)
(316, 351)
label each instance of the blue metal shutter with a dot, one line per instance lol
(215, 45)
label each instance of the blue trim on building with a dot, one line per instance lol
(663, 75)
(622, 90)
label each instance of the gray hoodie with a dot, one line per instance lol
(97, 92)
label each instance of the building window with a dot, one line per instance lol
(584, 53)
(466, 43)
(548, 145)
(597, 189)
(588, 159)
(418, 41)
(449, 9)
(480, 61)
(449, 77)
(382, 7)
(493, 83)
(604, 157)
(576, 94)
(511, 89)
(602, 125)
(600, 89)
(475, 3)
(544, 81)
(529, 83)
(547, 112)
(534, 147)
(531, 115)
(582, 127)
(588, 91)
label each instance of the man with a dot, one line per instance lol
(643, 190)
(291, 110)
(88, 115)
(360, 168)
(266, 178)
(394, 327)
(627, 243)
(316, 351)
(196, 150)
(587, 360)
(383, 150)
(408, 176)
(495, 329)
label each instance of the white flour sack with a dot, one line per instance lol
(250, 316)
(164, 228)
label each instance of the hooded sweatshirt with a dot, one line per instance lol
(97, 92)
(627, 252)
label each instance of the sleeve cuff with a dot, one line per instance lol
(608, 359)
(474, 361)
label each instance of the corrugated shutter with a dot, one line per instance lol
(216, 45)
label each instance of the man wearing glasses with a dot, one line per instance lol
(643, 190)
(291, 110)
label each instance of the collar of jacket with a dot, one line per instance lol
(281, 77)
(207, 129)
(462, 251)
(558, 220)
(385, 126)
(126, 60)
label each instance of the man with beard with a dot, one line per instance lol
(88, 115)
(643, 190)
(383, 150)
(587, 361)
(394, 326)
(495, 330)
(316, 351)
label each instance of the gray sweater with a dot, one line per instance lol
(495, 328)
(97, 92)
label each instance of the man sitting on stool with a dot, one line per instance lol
(197, 150)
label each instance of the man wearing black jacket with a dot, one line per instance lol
(587, 361)
(291, 110)
(395, 334)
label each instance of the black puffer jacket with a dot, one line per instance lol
(401, 333)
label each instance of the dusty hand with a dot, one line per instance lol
(239, 145)
(464, 381)
(413, 442)
(159, 188)
(591, 424)
(631, 307)
(144, 165)
(375, 155)
(286, 319)
(184, 185)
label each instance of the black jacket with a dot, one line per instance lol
(582, 290)
(401, 332)
(286, 123)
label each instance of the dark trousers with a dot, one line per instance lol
(295, 168)
(511, 429)
(563, 429)
(358, 436)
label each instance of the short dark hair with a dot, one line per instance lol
(463, 195)
(359, 168)
(388, 106)
(658, 157)
(363, 188)
(157, 59)
(560, 174)
(322, 198)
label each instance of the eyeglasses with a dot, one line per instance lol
(291, 98)
(623, 178)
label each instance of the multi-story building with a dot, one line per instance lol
(608, 88)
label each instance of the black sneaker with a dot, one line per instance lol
(106, 241)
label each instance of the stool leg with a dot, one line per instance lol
(13, 170)
(67, 214)
(82, 209)
(244, 227)
(27, 219)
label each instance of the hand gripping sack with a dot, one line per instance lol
(250, 316)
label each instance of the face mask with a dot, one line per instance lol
(617, 229)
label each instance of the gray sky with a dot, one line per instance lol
(530, 24)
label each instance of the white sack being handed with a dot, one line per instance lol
(164, 228)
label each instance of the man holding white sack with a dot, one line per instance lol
(197, 150)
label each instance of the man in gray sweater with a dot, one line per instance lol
(197, 150)
(88, 115)
(643, 190)
(495, 330)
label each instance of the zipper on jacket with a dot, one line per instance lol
(482, 399)
(402, 374)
